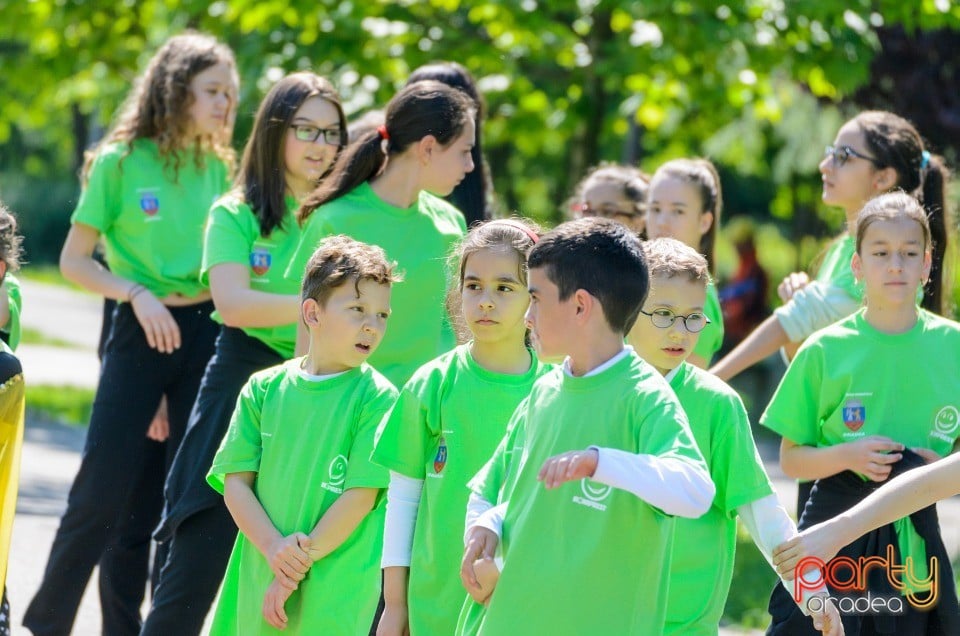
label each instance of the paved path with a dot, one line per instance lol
(51, 451)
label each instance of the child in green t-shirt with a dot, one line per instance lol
(385, 189)
(436, 437)
(848, 414)
(563, 525)
(250, 237)
(703, 551)
(295, 469)
(684, 203)
(11, 301)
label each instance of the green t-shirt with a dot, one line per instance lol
(711, 338)
(703, 549)
(850, 381)
(586, 558)
(446, 423)
(152, 224)
(233, 236)
(835, 268)
(15, 300)
(308, 441)
(418, 238)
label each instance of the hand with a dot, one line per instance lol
(158, 324)
(817, 541)
(792, 284)
(828, 621)
(487, 574)
(159, 429)
(288, 560)
(394, 621)
(872, 456)
(273, 602)
(928, 455)
(481, 544)
(570, 466)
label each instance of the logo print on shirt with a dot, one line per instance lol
(947, 420)
(854, 415)
(337, 473)
(441, 459)
(149, 202)
(260, 261)
(593, 494)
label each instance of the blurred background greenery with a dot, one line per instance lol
(759, 86)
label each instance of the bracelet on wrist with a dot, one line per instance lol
(137, 289)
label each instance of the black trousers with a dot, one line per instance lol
(116, 497)
(197, 531)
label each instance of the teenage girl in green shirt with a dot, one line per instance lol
(147, 191)
(250, 238)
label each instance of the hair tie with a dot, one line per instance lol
(924, 160)
(517, 226)
(382, 131)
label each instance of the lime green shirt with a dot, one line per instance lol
(152, 224)
(835, 268)
(308, 441)
(850, 381)
(703, 549)
(711, 338)
(418, 238)
(586, 558)
(233, 236)
(15, 301)
(446, 423)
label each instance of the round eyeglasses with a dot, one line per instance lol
(331, 136)
(664, 319)
(840, 155)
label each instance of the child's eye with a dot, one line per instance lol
(384, 315)
(880, 253)
(472, 286)
(505, 288)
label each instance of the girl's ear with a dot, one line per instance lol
(426, 147)
(884, 179)
(706, 221)
(927, 264)
(857, 266)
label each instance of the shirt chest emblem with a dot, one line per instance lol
(260, 261)
(149, 202)
(854, 415)
(947, 420)
(441, 459)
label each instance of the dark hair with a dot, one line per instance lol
(157, 107)
(669, 258)
(261, 179)
(340, 259)
(420, 109)
(895, 143)
(702, 174)
(892, 206)
(600, 256)
(472, 194)
(631, 180)
(507, 235)
(11, 242)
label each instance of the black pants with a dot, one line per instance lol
(197, 531)
(116, 496)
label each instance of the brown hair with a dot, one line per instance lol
(892, 206)
(670, 258)
(895, 143)
(420, 109)
(158, 106)
(702, 174)
(340, 259)
(262, 184)
(600, 256)
(632, 181)
(11, 243)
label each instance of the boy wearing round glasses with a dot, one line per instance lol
(665, 335)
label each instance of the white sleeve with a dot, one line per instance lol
(769, 524)
(403, 502)
(476, 506)
(491, 519)
(675, 486)
(814, 307)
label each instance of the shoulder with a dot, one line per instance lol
(440, 209)
(262, 380)
(375, 384)
(938, 324)
(231, 205)
(709, 385)
(434, 371)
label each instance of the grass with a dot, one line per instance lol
(32, 336)
(67, 404)
(46, 273)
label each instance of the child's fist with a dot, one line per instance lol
(487, 574)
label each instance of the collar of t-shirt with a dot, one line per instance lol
(672, 373)
(627, 350)
(310, 377)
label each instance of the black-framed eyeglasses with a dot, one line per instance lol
(607, 211)
(664, 319)
(304, 132)
(840, 155)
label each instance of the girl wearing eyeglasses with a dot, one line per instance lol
(873, 153)
(250, 238)
(385, 190)
(684, 203)
(612, 191)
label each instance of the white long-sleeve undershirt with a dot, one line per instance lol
(403, 502)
